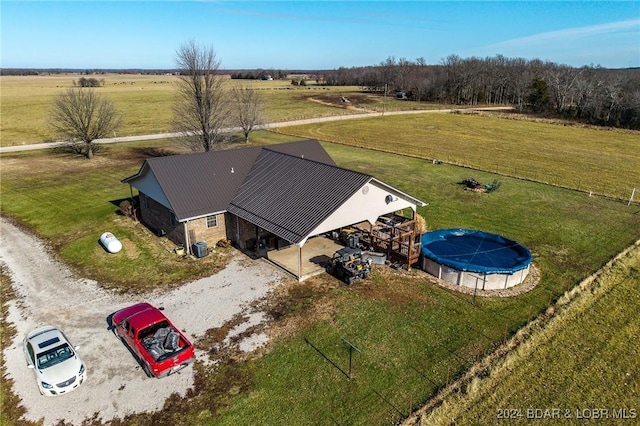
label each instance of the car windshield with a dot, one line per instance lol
(54, 356)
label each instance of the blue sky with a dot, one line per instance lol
(315, 34)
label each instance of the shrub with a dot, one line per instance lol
(126, 208)
(88, 82)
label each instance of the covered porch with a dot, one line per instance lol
(306, 261)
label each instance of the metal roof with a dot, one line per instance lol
(289, 196)
(203, 183)
(287, 189)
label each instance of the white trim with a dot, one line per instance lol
(404, 195)
(203, 215)
(215, 218)
(149, 186)
(364, 205)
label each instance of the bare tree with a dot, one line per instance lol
(81, 116)
(248, 109)
(388, 71)
(562, 79)
(593, 94)
(201, 111)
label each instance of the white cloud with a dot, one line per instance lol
(614, 44)
(570, 35)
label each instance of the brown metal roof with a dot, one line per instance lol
(289, 196)
(204, 183)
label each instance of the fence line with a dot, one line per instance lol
(619, 193)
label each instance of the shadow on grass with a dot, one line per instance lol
(127, 207)
(327, 358)
(147, 152)
(77, 149)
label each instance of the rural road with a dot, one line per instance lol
(49, 145)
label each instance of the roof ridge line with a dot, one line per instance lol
(315, 161)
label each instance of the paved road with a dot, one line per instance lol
(49, 145)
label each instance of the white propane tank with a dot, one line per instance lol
(110, 242)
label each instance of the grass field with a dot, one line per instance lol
(65, 200)
(550, 379)
(415, 337)
(599, 160)
(146, 101)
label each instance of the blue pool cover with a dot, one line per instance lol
(475, 251)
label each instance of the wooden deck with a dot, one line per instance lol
(394, 236)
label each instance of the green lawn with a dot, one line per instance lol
(71, 202)
(602, 161)
(414, 337)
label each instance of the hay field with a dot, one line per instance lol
(598, 160)
(144, 101)
(26, 101)
(562, 373)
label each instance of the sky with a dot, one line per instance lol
(315, 35)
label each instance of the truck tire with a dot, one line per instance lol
(348, 280)
(146, 370)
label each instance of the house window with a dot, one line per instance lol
(172, 217)
(212, 221)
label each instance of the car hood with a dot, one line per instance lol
(61, 372)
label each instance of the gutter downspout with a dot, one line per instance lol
(133, 206)
(299, 263)
(186, 237)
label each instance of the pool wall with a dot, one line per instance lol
(475, 259)
(478, 280)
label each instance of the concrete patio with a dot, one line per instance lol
(313, 256)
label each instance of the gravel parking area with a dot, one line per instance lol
(48, 293)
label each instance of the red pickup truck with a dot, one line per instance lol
(159, 346)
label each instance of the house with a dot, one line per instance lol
(261, 198)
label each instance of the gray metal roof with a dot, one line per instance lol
(289, 196)
(203, 183)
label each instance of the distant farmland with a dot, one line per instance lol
(597, 160)
(146, 101)
(416, 337)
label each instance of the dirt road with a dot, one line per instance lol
(49, 145)
(48, 293)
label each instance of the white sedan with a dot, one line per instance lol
(54, 360)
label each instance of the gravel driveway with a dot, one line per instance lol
(48, 293)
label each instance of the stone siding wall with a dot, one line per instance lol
(198, 230)
(158, 219)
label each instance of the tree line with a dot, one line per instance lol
(205, 106)
(595, 95)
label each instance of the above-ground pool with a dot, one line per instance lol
(475, 259)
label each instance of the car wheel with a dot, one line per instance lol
(146, 370)
(348, 280)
